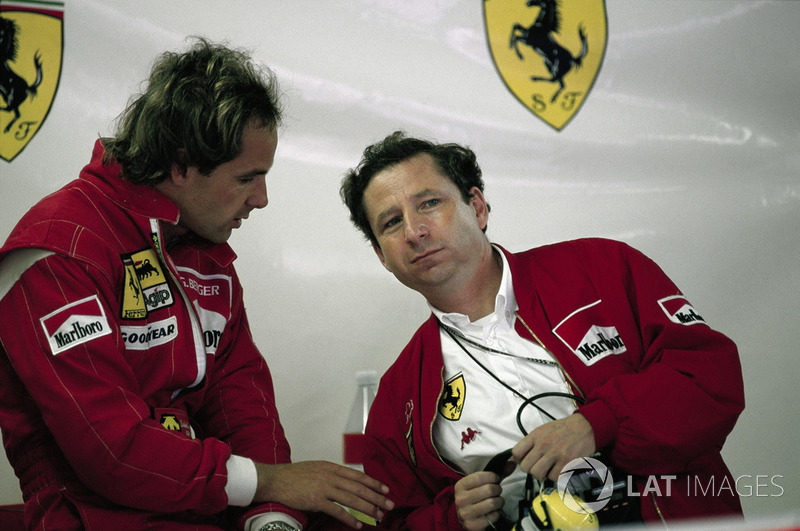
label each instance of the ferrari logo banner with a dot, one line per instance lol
(31, 49)
(548, 52)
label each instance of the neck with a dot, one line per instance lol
(476, 297)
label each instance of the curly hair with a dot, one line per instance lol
(456, 162)
(193, 112)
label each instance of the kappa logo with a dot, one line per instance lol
(75, 324)
(451, 403)
(468, 436)
(589, 341)
(548, 52)
(680, 311)
(145, 288)
(31, 49)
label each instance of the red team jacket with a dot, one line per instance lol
(662, 389)
(128, 374)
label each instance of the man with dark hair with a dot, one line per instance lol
(132, 395)
(556, 353)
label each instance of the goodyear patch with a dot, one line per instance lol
(150, 335)
(451, 403)
(145, 288)
(75, 324)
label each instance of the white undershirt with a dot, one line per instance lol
(487, 424)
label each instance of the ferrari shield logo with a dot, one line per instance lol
(548, 52)
(451, 403)
(31, 48)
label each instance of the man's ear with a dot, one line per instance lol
(179, 169)
(379, 252)
(478, 203)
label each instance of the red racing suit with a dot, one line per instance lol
(128, 374)
(662, 390)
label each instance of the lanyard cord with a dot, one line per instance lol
(526, 400)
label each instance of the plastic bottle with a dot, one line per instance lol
(353, 438)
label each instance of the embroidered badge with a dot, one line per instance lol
(145, 287)
(588, 334)
(451, 402)
(212, 296)
(680, 311)
(74, 324)
(174, 420)
(150, 335)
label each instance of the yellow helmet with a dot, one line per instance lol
(549, 511)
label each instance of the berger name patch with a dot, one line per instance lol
(74, 324)
(680, 311)
(588, 334)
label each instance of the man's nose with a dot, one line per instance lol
(416, 228)
(258, 198)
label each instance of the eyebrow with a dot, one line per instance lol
(252, 173)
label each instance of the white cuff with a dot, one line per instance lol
(242, 481)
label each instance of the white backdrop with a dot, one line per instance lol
(687, 148)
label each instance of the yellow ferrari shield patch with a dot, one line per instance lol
(31, 48)
(548, 52)
(451, 403)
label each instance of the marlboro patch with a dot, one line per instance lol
(75, 324)
(680, 311)
(588, 334)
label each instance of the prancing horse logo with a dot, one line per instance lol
(31, 49)
(548, 52)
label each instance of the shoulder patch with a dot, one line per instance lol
(679, 310)
(74, 324)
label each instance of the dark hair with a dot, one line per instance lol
(456, 162)
(193, 112)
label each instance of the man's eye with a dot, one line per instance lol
(392, 222)
(431, 202)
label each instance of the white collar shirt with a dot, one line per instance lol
(477, 414)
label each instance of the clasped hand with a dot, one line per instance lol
(543, 453)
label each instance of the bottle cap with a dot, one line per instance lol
(367, 377)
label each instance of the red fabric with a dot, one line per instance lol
(79, 419)
(11, 518)
(662, 407)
